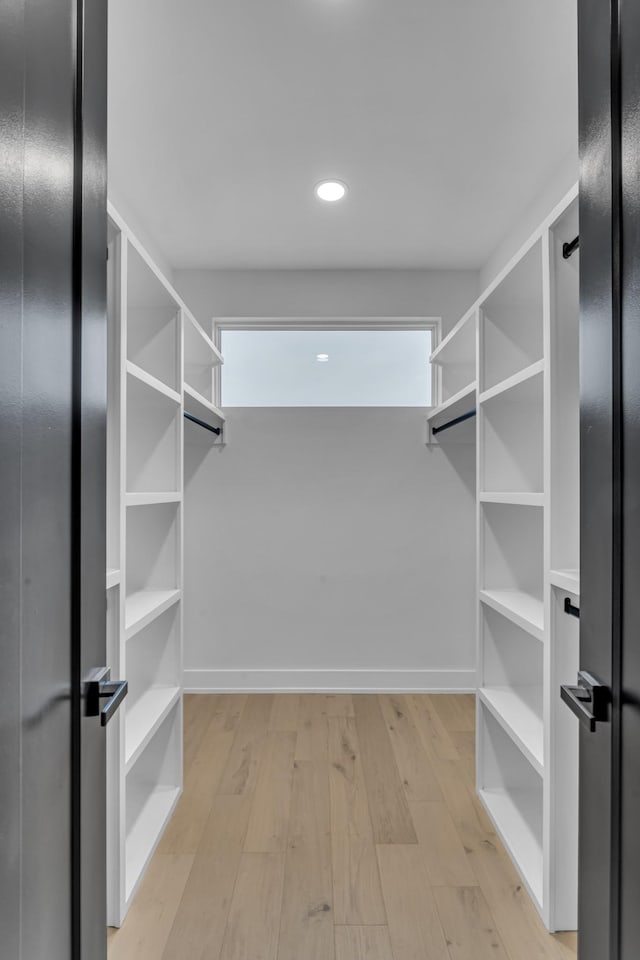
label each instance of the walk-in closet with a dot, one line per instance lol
(343, 481)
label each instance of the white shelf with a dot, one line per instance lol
(519, 718)
(196, 341)
(516, 499)
(512, 813)
(146, 499)
(522, 377)
(145, 833)
(144, 718)
(459, 344)
(143, 606)
(455, 406)
(113, 577)
(133, 370)
(521, 608)
(568, 580)
(199, 406)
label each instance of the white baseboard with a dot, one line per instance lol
(329, 681)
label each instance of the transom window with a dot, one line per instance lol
(308, 364)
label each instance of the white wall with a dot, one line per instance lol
(548, 196)
(327, 293)
(328, 549)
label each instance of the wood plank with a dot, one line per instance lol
(269, 820)
(363, 943)
(436, 739)
(226, 712)
(414, 924)
(444, 854)
(252, 926)
(465, 744)
(418, 777)
(313, 731)
(356, 882)
(201, 781)
(468, 925)
(388, 805)
(201, 918)
(242, 766)
(338, 704)
(197, 711)
(517, 920)
(146, 927)
(457, 711)
(306, 929)
(284, 714)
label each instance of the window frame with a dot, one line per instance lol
(434, 324)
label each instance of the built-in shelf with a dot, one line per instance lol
(147, 499)
(199, 348)
(457, 405)
(516, 499)
(459, 346)
(568, 580)
(512, 813)
(517, 710)
(143, 719)
(133, 370)
(521, 608)
(522, 377)
(199, 406)
(113, 577)
(145, 833)
(143, 606)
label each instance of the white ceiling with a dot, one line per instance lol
(445, 117)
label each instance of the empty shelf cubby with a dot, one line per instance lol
(153, 323)
(512, 426)
(153, 439)
(511, 322)
(512, 562)
(512, 792)
(152, 790)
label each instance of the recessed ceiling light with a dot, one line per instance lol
(331, 190)
(322, 357)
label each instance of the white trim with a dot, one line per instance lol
(328, 681)
(323, 323)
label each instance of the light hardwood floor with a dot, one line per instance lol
(331, 827)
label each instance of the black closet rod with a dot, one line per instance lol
(201, 423)
(454, 422)
(569, 248)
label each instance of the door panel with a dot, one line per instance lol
(52, 408)
(596, 468)
(630, 660)
(90, 466)
(11, 234)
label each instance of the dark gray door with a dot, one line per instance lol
(609, 59)
(52, 411)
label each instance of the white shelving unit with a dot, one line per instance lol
(528, 559)
(144, 562)
(160, 366)
(454, 365)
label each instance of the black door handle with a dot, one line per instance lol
(102, 687)
(589, 700)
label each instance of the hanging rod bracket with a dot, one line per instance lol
(570, 248)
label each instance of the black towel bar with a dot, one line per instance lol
(201, 423)
(454, 422)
